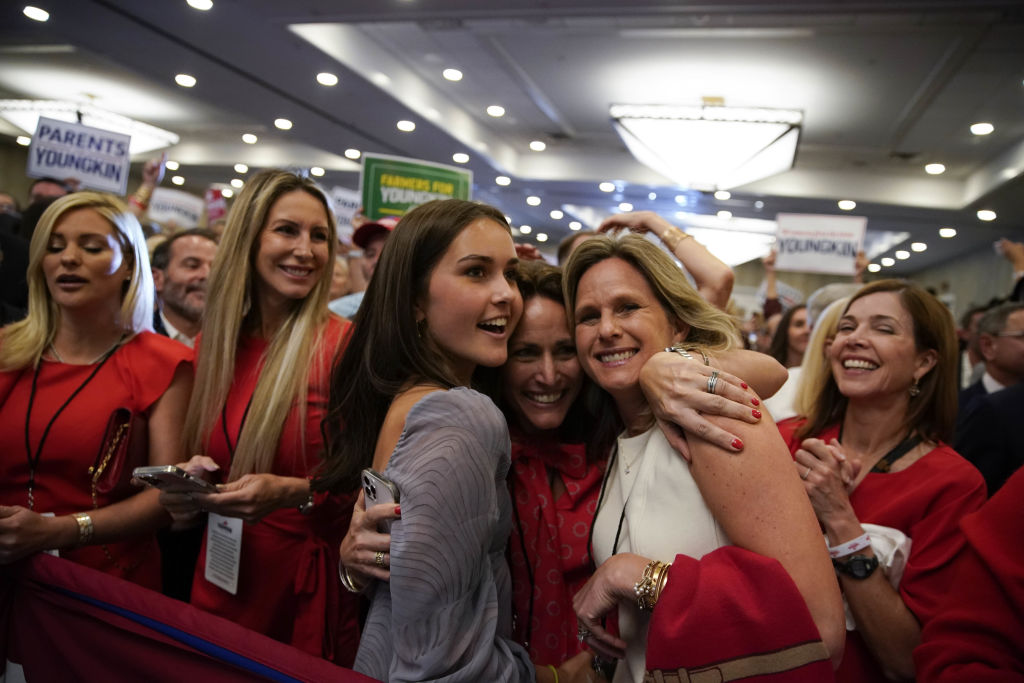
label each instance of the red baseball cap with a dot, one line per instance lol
(367, 232)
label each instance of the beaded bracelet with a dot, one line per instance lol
(648, 588)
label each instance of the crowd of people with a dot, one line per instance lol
(590, 479)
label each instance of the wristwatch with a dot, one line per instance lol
(856, 566)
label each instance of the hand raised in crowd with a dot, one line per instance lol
(859, 266)
(1013, 251)
(363, 541)
(769, 261)
(829, 477)
(676, 388)
(153, 170)
(528, 252)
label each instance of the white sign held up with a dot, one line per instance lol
(175, 206)
(96, 158)
(814, 243)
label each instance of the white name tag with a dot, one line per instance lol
(223, 551)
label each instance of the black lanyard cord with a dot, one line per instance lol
(241, 425)
(33, 460)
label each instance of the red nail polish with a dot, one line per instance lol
(756, 413)
(744, 385)
(737, 444)
(398, 509)
(755, 401)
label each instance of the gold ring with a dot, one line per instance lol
(806, 474)
(380, 559)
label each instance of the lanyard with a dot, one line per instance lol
(241, 425)
(884, 465)
(33, 459)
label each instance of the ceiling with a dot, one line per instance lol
(885, 87)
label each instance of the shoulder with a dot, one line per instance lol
(457, 407)
(152, 348)
(788, 429)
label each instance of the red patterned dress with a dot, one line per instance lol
(548, 553)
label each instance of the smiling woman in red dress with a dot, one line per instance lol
(263, 367)
(85, 350)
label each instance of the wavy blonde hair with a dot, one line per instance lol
(231, 308)
(816, 370)
(25, 340)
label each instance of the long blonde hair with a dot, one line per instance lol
(25, 340)
(231, 307)
(815, 370)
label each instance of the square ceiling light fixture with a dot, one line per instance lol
(710, 147)
(145, 138)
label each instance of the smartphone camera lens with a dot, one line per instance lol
(373, 490)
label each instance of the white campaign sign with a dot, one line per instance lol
(174, 206)
(96, 158)
(813, 243)
(345, 203)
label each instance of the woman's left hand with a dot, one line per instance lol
(828, 477)
(611, 584)
(254, 496)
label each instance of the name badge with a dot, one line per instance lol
(223, 551)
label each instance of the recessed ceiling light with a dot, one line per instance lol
(606, 187)
(227, 192)
(249, 139)
(724, 215)
(178, 180)
(241, 168)
(652, 196)
(538, 146)
(846, 204)
(986, 215)
(503, 180)
(326, 78)
(237, 182)
(460, 157)
(723, 195)
(24, 140)
(682, 200)
(533, 200)
(381, 79)
(525, 229)
(35, 13)
(888, 262)
(625, 207)
(556, 215)
(982, 128)
(352, 153)
(874, 267)
(918, 246)
(575, 225)
(171, 165)
(934, 169)
(902, 254)
(202, 5)
(542, 237)
(495, 110)
(406, 126)
(317, 171)
(758, 204)
(947, 232)
(452, 74)
(185, 80)
(283, 124)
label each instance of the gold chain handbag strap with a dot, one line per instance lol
(95, 472)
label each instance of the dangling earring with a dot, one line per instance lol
(914, 389)
(421, 325)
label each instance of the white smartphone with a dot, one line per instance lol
(172, 479)
(379, 489)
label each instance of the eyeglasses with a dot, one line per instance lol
(1014, 333)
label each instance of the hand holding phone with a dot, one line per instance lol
(379, 489)
(172, 479)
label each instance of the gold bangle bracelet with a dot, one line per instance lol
(674, 237)
(85, 527)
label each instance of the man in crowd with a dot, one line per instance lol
(1000, 341)
(370, 237)
(181, 265)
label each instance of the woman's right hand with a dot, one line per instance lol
(361, 544)
(611, 584)
(676, 390)
(182, 507)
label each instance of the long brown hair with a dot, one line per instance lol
(932, 413)
(385, 352)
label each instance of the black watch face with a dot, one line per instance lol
(860, 566)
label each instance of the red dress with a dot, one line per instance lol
(978, 634)
(288, 579)
(138, 373)
(557, 562)
(926, 501)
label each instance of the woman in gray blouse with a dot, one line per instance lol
(443, 300)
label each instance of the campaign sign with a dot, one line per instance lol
(345, 203)
(391, 186)
(177, 207)
(813, 243)
(96, 158)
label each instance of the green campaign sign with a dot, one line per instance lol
(391, 186)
